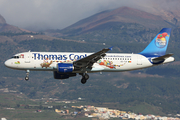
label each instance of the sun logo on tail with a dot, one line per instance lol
(161, 40)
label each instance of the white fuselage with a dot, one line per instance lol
(47, 61)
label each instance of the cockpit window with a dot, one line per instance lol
(16, 57)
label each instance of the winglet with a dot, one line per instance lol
(110, 48)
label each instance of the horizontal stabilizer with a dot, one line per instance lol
(162, 58)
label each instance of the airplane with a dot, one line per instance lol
(69, 64)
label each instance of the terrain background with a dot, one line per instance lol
(128, 30)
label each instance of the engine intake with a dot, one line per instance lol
(65, 67)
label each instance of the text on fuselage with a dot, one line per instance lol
(38, 56)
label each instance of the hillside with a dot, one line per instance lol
(152, 86)
(4, 27)
(2, 20)
(122, 14)
(119, 15)
(13, 35)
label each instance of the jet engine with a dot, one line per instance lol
(65, 67)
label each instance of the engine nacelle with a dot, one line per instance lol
(65, 67)
(63, 76)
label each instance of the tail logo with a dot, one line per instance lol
(161, 40)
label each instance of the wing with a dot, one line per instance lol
(87, 62)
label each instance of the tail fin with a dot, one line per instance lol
(159, 44)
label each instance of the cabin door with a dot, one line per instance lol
(139, 60)
(27, 57)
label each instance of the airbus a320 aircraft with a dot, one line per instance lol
(69, 64)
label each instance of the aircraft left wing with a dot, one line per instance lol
(88, 61)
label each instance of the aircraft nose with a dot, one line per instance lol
(7, 63)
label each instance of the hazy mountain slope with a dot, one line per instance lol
(2, 20)
(168, 10)
(4, 27)
(119, 15)
(13, 35)
(153, 86)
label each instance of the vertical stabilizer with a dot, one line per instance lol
(158, 45)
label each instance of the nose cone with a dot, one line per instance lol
(7, 63)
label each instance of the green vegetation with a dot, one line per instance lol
(28, 108)
(26, 114)
(10, 34)
(158, 90)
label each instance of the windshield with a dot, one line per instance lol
(16, 57)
